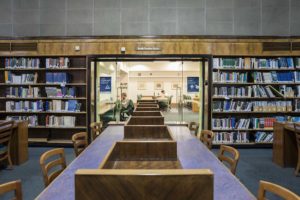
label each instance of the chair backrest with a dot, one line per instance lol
(12, 186)
(47, 166)
(96, 129)
(278, 190)
(170, 99)
(232, 160)
(194, 126)
(207, 138)
(5, 132)
(80, 142)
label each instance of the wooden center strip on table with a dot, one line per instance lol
(149, 165)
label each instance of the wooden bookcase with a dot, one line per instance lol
(41, 134)
(250, 131)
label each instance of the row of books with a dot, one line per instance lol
(230, 123)
(256, 63)
(32, 120)
(34, 92)
(23, 92)
(57, 77)
(263, 137)
(38, 106)
(22, 63)
(232, 91)
(230, 77)
(276, 77)
(220, 106)
(67, 92)
(231, 137)
(272, 106)
(62, 106)
(20, 78)
(267, 122)
(257, 91)
(61, 62)
(24, 106)
(60, 121)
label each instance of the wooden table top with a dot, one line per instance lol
(191, 153)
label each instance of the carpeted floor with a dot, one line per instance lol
(254, 165)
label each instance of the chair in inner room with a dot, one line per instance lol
(51, 166)
(108, 116)
(194, 127)
(96, 129)
(297, 134)
(6, 129)
(80, 142)
(12, 186)
(207, 137)
(170, 102)
(232, 159)
(278, 190)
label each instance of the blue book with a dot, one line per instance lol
(49, 77)
(72, 104)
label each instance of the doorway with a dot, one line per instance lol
(178, 83)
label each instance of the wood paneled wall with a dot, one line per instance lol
(216, 47)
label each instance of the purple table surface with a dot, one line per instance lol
(191, 153)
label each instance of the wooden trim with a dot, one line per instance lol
(150, 37)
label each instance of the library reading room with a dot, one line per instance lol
(149, 99)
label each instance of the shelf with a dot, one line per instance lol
(59, 141)
(56, 127)
(255, 98)
(228, 83)
(49, 135)
(43, 98)
(42, 112)
(42, 84)
(233, 130)
(246, 145)
(37, 140)
(254, 70)
(254, 112)
(44, 69)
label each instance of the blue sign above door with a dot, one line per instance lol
(105, 84)
(193, 84)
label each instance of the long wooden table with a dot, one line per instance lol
(191, 153)
(285, 152)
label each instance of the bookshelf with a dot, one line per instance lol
(48, 91)
(249, 94)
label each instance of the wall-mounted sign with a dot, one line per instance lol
(105, 84)
(193, 84)
(148, 47)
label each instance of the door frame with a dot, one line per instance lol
(202, 58)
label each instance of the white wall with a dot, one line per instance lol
(164, 72)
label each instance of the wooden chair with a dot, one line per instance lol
(207, 138)
(231, 160)
(80, 142)
(6, 129)
(297, 133)
(194, 126)
(278, 190)
(96, 129)
(46, 167)
(12, 186)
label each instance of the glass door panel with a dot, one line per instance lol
(107, 84)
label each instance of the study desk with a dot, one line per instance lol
(191, 153)
(285, 152)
